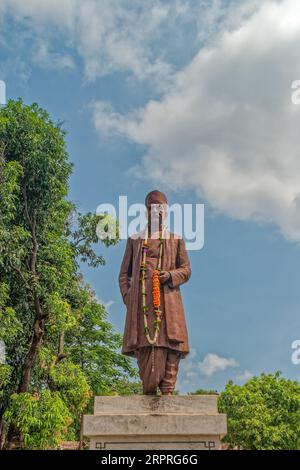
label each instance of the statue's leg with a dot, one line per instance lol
(151, 378)
(168, 382)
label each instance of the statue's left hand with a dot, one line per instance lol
(164, 276)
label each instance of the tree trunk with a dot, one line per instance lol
(35, 346)
(2, 433)
(61, 343)
(39, 323)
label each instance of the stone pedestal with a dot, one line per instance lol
(157, 423)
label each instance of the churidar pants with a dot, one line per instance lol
(166, 363)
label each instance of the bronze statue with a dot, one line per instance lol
(154, 265)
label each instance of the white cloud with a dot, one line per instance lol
(106, 304)
(195, 373)
(228, 128)
(213, 363)
(225, 125)
(47, 59)
(244, 376)
(109, 36)
(41, 13)
(139, 38)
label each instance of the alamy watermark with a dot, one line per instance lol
(295, 96)
(295, 358)
(185, 220)
(2, 352)
(2, 93)
(295, 346)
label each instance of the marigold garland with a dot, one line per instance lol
(155, 289)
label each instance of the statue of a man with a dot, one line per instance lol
(154, 265)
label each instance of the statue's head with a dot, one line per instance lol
(156, 202)
(155, 197)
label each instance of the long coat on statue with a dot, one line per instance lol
(175, 260)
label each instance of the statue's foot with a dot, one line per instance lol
(167, 393)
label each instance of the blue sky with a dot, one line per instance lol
(192, 97)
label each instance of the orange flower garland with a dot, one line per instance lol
(155, 290)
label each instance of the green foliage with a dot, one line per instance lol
(263, 414)
(93, 344)
(4, 376)
(85, 234)
(125, 388)
(60, 347)
(61, 316)
(202, 391)
(10, 174)
(71, 382)
(10, 326)
(43, 419)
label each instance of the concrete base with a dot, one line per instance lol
(190, 422)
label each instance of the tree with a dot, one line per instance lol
(60, 347)
(263, 414)
(202, 391)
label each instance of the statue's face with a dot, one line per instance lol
(156, 214)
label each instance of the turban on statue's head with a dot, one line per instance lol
(155, 197)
